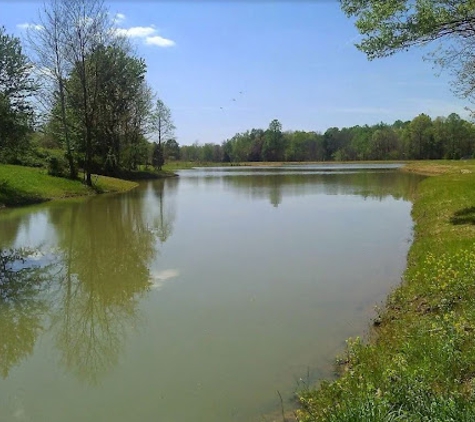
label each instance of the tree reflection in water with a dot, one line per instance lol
(88, 294)
(275, 186)
(23, 279)
(107, 246)
(163, 216)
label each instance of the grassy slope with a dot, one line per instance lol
(419, 364)
(433, 168)
(23, 185)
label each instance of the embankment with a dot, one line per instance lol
(418, 363)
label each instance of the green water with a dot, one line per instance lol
(195, 298)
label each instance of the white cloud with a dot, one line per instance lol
(159, 41)
(30, 26)
(149, 35)
(137, 31)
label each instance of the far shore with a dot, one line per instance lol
(20, 186)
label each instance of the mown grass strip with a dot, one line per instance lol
(419, 363)
(24, 185)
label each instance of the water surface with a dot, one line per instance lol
(197, 297)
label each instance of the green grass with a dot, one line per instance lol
(24, 185)
(419, 362)
(438, 167)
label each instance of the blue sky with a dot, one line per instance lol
(292, 61)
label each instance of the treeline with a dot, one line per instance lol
(422, 138)
(79, 99)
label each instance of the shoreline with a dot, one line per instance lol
(22, 186)
(417, 359)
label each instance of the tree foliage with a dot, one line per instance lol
(273, 146)
(98, 103)
(158, 159)
(16, 88)
(121, 106)
(422, 138)
(161, 122)
(171, 149)
(391, 26)
(395, 25)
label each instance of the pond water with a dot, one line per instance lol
(197, 297)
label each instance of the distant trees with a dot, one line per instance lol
(16, 88)
(273, 146)
(303, 146)
(455, 136)
(422, 138)
(171, 149)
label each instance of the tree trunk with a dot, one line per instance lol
(73, 172)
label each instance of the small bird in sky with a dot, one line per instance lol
(232, 99)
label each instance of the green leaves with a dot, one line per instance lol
(395, 25)
(16, 87)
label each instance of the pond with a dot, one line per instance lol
(201, 297)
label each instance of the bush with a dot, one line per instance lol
(57, 166)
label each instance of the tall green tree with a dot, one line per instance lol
(457, 140)
(273, 147)
(16, 88)
(48, 43)
(162, 124)
(87, 26)
(99, 101)
(122, 103)
(123, 106)
(420, 138)
(171, 149)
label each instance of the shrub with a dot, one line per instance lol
(57, 166)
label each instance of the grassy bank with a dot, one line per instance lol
(25, 185)
(434, 168)
(419, 362)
